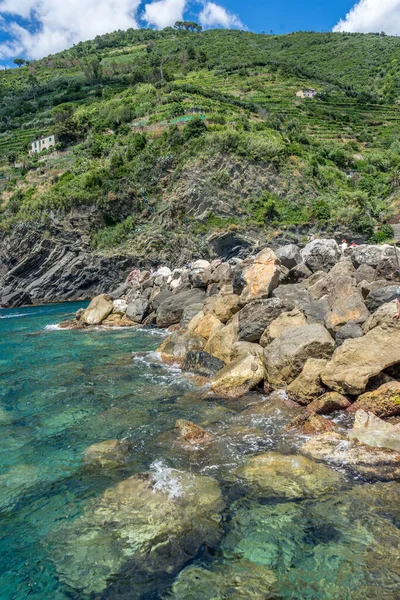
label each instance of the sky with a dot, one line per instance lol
(33, 29)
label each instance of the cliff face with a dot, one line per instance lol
(39, 265)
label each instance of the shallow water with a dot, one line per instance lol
(62, 391)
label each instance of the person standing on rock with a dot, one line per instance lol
(344, 246)
(397, 315)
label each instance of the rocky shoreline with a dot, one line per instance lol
(314, 323)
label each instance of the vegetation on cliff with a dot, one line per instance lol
(176, 133)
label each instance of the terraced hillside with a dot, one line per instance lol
(171, 140)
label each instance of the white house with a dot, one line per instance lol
(43, 143)
(307, 93)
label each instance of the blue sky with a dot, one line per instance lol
(35, 28)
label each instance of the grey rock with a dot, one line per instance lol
(293, 293)
(321, 255)
(170, 311)
(137, 309)
(317, 310)
(255, 317)
(366, 255)
(15, 298)
(376, 298)
(298, 273)
(159, 299)
(365, 273)
(202, 363)
(189, 312)
(349, 331)
(289, 255)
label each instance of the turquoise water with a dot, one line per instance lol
(62, 391)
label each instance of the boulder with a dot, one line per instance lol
(383, 314)
(328, 403)
(286, 356)
(137, 309)
(285, 321)
(365, 273)
(366, 287)
(310, 424)
(98, 310)
(349, 331)
(256, 316)
(289, 255)
(222, 273)
(336, 449)
(157, 297)
(119, 306)
(273, 475)
(389, 263)
(372, 431)
(117, 320)
(238, 377)
(225, 306)
(109, 454)
(317, 310)
(346, 305)
(175, 347)
(376, 298)
(148, 525)
(191, 433)
(357, 360)
(308, 384)
(366, 255)
(293, 294)
(321, 255)
(200, 278)
(200, 265)
(189, 312)
(323, 284)
(242, 349)
(221, 342)
(202, 364)
(170, 311)
(297, 274)
(261, 277)
(204, 325)
(383, 402)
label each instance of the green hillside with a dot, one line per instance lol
(172, 135)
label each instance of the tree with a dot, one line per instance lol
(19, 62)
(188, 25)
(65, 127)
(12, 157)
(93, 70)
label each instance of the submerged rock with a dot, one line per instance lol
(145, 527)
(110, 453)
(310, 424)
(336, 449)
(273, 475)
(191, 433)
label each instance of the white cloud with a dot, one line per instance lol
(368, 16)
(62, 23)
(214, 15)
(164, 13)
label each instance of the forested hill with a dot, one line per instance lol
(170, 139)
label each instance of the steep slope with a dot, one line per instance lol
(173, 144)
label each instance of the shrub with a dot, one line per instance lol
(383, 234)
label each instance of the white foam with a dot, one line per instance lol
(14, 315)
(53, 327)
(166, 479)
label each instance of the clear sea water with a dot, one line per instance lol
(62, 391)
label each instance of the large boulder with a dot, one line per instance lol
(308, 384)
(383, 314)
(274, 475)
(289, 255)
(294, 294)
(243, 349)
(286, 356)
(175, 347)
(221, 342)
(225, 306)
(336, 449)
(285, 321)
(376, 298)
(239, 376)
(371, 430)
(321, 255)
(261, 277)
(137, 309)
(170, 311)
(365, 273)
(205, 325)
(346, 304)
(383, 402)
(356, 361)
(148, 525)
(366, 255)
(189, 312)
(202, 364)
(98, 310)
(256, 316)
(389, 263)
